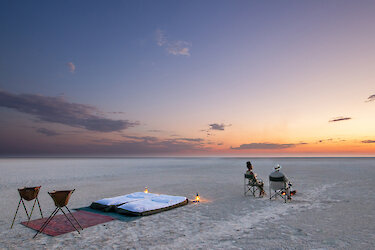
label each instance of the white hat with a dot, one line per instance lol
(278, 167)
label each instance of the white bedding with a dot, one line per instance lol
(118, 200)
(151, 203)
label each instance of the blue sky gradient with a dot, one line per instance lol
(178, 66)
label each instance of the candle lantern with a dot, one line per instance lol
(197, 198)
(146, 190)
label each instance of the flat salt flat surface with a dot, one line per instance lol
(333, 209)
(152, 203)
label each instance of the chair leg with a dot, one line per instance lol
(74, 217)
(40, 209)
(47, 221)
(244, 187)
(19, 203)
(70, 221)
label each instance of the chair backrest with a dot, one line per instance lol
(251, 178)
(29, 193)
(277, 185)
(61, 198)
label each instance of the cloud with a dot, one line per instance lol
(103, 147)
(368, 141)
(155, 139)
(71, 66)
(155, 130)
(58, 110)
(177, 48)
(47, 132)
(324, 140)
(371, 98)
(191, 139)
(340, 118)
(141, 138)
(160, 37)
(264, 146)
(217, 126)
(331, 140)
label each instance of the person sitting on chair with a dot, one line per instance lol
(253, 178)
(278, 176)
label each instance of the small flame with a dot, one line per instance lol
(197, 198)
(146, 190)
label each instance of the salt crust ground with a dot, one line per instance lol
(334, 208)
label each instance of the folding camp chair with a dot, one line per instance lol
(28, 194)
(251, 185)
(61, 199)
(281, 189)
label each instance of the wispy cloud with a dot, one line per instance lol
(371, 98)
(177, 48)
(324, 140)
(47, 132)
(217, 126)
(71, 67)
(141, 138)
(155, 130)
(105, 147)
(58, 110)
(330, 140)
(191, 139)
(267, 146)
(157, 146)
(160, 37)
(339, 119)
(368, 141)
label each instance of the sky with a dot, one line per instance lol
(187, 78)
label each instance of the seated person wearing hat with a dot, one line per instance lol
(278, 176)
(253, 178)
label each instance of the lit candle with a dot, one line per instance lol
(197, 198)
(146, 190)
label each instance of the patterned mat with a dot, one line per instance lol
(60, 225)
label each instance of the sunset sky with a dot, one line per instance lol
(187, 78)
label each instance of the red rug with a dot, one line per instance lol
(60, 225)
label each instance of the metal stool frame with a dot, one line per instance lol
(60, 203)
(28, 194)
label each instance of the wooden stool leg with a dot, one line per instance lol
(19, 203)
(47, 221)
(74, 218)
(70, 221)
